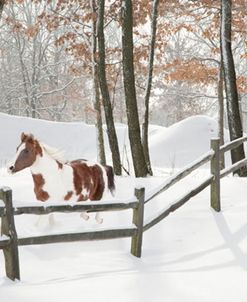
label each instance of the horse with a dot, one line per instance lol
(57, 179)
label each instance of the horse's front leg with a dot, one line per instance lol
(98, 218)
(45, 220)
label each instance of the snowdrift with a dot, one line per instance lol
(183, 142)
(171, 147)
(193, 255)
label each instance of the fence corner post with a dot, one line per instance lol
(215, 171)
(138, 213)
(11, 254)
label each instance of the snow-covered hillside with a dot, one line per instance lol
(170, 147)
(193, 255)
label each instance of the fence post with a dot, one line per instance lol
(136, 241)
(8, 228)
(215, 171)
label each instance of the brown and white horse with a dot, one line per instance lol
(55, 179)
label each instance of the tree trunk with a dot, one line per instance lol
(221, 113)
(96, 94)
(233, 112)
(2, 2)
(138, 158)
(111, 131)
(149, 86)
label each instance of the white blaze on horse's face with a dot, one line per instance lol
(25, 155)
(11, 168)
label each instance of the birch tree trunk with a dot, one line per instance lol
(149, 86)
(233, 112)
(138, 157)
(111, 131)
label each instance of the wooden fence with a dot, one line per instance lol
(9, 241)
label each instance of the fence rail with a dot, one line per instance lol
(178, 203)
(68, 208)
(183, 173)
(9, 241)
(232, 145)
(83, 236)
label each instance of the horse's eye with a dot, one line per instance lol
(26, 151)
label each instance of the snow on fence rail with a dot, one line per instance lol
(9, 241)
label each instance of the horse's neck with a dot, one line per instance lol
(45, 165)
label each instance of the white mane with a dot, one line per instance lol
(55, 153)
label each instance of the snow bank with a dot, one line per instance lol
(193, 255)
(171, 147)
(183, 142)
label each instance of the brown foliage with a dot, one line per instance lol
(192, 71)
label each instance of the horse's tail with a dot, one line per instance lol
(110, 178)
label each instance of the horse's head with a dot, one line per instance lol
(26, 153)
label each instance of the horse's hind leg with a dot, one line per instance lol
(84, 215)
(51, 219)
(45, 220)
(98, 218)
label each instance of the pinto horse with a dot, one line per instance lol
(55, 179)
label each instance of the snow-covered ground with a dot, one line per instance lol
(193, 255)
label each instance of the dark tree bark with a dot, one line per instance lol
(96, 92)
(233, 112)
(2, 2)
(221, 112)
(111, 131)
(139, 162)
(149, 86)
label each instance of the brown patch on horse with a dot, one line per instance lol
(38, 187)
(88, 178)
(68, 195)
(98, 185)
(31, 143)
(82, 197)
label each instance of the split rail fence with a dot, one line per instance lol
(9, 240)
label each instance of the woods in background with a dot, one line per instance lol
(134, 62)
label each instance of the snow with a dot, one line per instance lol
(195, 254)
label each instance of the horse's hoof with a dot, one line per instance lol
(99, 220)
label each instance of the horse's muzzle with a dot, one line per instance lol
(11, 169)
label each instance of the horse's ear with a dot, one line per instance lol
(27, 137)
(23, 137)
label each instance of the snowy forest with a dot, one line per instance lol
(136, 62)
(136, 110)
(47, 57)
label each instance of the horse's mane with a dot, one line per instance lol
(56, 154)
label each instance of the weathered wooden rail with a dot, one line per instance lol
(9, 241)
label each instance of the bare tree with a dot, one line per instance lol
(111, 131)
(138, 157)
(37, 77)
(220, 90)
(2, 2)
(149, 86)
(233, 112)
(96, 92)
